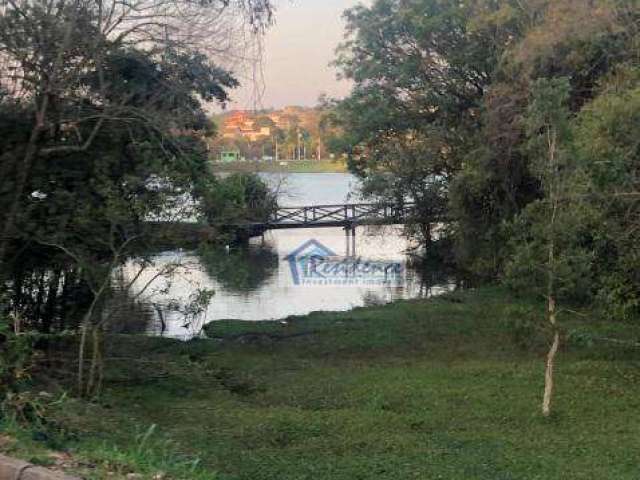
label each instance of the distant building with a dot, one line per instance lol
(281, 120)
(229, 156)
(241, 124)
(252, 127)
(234, 123)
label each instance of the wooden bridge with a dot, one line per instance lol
(343, 215)
(346, 216)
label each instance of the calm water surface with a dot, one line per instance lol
(257, 283)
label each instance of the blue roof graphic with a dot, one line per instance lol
(298, 258)
(311, 247)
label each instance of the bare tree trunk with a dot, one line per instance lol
(96, 358)
(68, 283)
(88, 326)
(81, 349)
(551, 356)
(100, 378)
(52, 298)
(427, 236)
(37, 307)
(551, 277)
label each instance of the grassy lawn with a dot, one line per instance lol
(433, 389)
(302, 166)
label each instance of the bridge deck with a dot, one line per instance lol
(341, 215)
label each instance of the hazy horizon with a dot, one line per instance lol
(296, 56)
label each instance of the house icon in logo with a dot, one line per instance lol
(300, 258)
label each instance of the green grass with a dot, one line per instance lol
(302, 166)
(433, 389)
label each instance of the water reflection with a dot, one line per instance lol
(47, 295)
(241, 270)
(51, 296)
(256, 282)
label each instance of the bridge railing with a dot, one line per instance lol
(341, 213)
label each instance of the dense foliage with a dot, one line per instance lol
(442, 114)
(236, 199)
(104, 126)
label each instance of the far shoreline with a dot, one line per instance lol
(283, 166)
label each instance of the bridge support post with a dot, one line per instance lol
(346, 233)
(353, 241)
(350, 231)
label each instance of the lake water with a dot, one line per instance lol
(264, 282)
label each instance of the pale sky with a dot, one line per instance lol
(297, 53)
